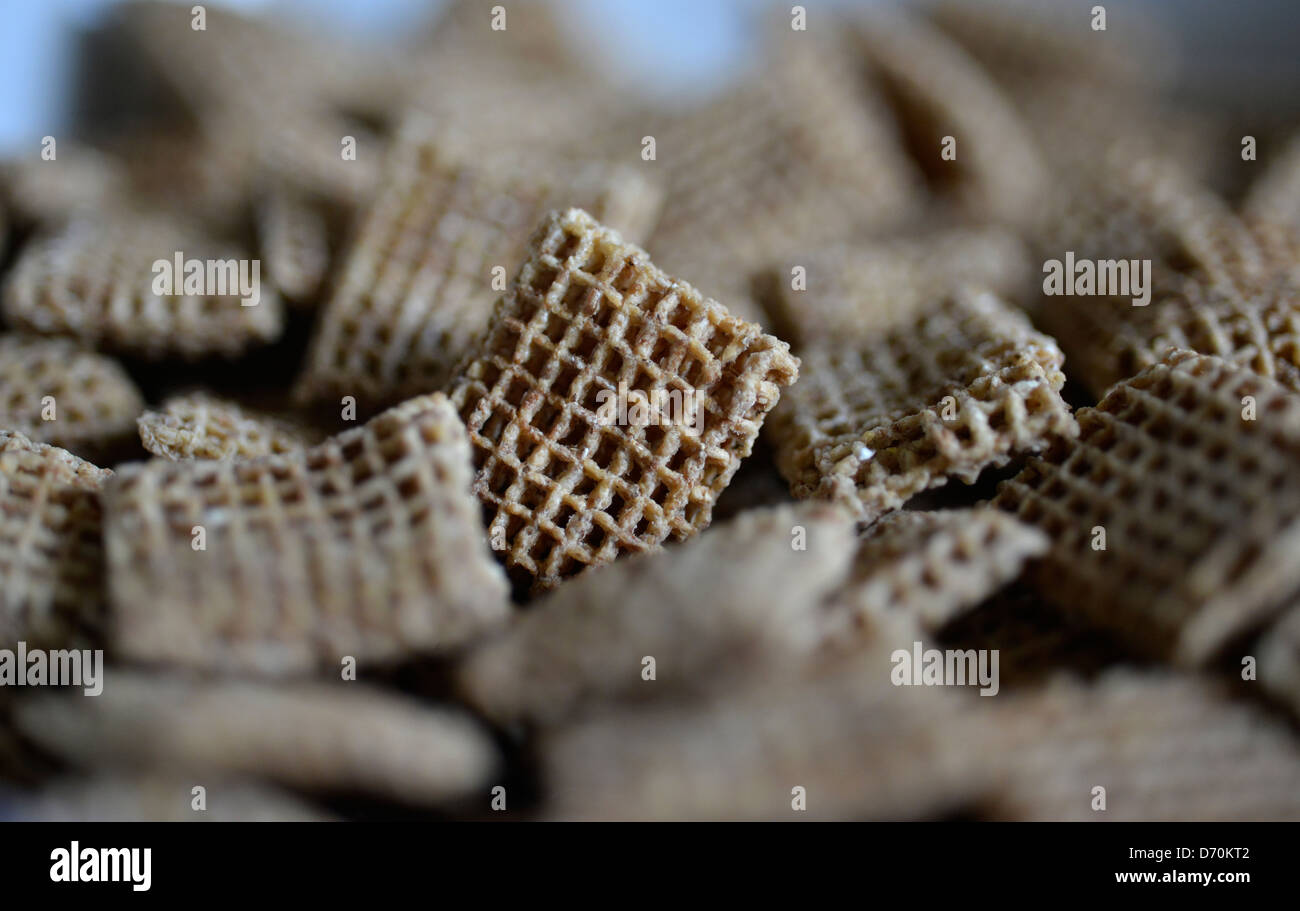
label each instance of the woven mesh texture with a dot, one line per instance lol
(368, 545)
(51, 559)
(961, 386)
(568, 483)
(1197, 504)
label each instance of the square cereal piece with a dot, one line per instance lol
(92, 402)
(368, 545)
(945, 392)
(51, 559)
(94, 281)
(1172, 516)
(570, 484)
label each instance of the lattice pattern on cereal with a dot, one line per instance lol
(434, 251)
(960, 386)
(368, 545)
(568, 483)
(51, 559)
(95, 281)
(53, 392)
(200, 426)
(1172, 516)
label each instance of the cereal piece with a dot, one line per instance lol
(50, 553)
(806, 151)
(930, 566)
(1165, 747)
(998, 171)
(859, 748)
(959, 387)
(1196, 503)
(570, 482)
(156, 798)
(417, 286)
(737, 595)
(345, 737)
(1123, 201)
(1109, 340)
(294, 241)
(1279, 659)
(852, 290)
(95, 281)
(368, 545)
(50, 192)
(201, 427)
(1021, 41)
(94, 402)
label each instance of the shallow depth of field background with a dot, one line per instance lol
(1237, 53)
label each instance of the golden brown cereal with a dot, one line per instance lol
(418, 283)
(1196, 502)
(960, 386)
(95, 282)
(55, 393)
(1164, 747)
(588, 641)
(369, 545)
(571, 479)
(199, 426)
(51, 560)
(321, 736)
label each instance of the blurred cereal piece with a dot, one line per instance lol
(588, 641)
(998, 172)
(155, 798)
(1164, 747)
(417, 284)
(54, 392)
(51, 558)
(569, 480)
(1196, 503)
(95, 281)
(850, 290)
(957, 387)
(369, 545)
(804, 150)
(1022, 43)
(1274, 196)
(856, 746)
(337, 737)
(293, 239)
(199, 426)
(932, 567)
(1279, 659)
(49, 193)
